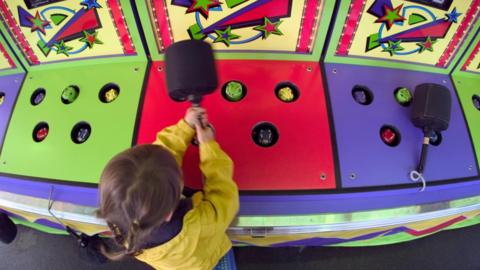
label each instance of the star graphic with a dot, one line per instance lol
(62, 48)
(391, 16)
(90, 4)
(203, 6)
(393, 47)
(225, 36)
(90, 39)
(426, 45)
(38, 23)
(269, 28)
(453, 16)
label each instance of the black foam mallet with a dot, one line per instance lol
(431, 109)
(191, 72)
(8, 229)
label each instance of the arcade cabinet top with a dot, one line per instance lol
(54, 31)
(240, 29)
(424, 35)
(470, 63)
(8, 62)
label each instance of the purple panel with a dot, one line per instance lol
(274, 204)
(10, 85)
(357, 129)
(64, 193)
(353, 202)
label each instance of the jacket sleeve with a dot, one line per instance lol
(176, 139)
(220, 201)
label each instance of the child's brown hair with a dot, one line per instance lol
(139, 189)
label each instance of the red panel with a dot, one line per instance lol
(304, 149)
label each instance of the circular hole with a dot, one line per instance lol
(390, 135)
(40, 132)
(2, 98)
(38, 96)
(476, 101)
(436, 138)
(362, 95)
(265, 134)
(70, 94)
(109, 93)
(287, 92)
(81, 132)
(353, 176)
(403, 96)
(234, 91)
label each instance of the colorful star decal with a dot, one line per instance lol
(269, 28)
(90, 39)
(62, 48)
(426, 45)
(38, 23)
(225, 36)
(391, 16)
(203, 6)
(393, 46)
(90, 4)
(453, 16)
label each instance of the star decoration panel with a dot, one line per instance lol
(238, 25)
(411, 31)
(61, 31)
(473, 62)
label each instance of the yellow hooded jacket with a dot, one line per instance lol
(203, 241)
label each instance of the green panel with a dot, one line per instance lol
(337, 31)
(467, 84)
(57, 157)
(327, 11)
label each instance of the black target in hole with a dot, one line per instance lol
(234, 91)
(435, 138)
(70, 94)
(81, 132)
(362, 95)
(476, 101)
(265, 134)
(109, 93)
(2, 98)
(403, 96)
(390, 135)
(287, 92)
(40, 132)
(38, 96)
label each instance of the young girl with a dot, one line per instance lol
(142, 201)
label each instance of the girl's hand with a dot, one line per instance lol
(193, 115)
